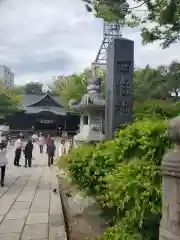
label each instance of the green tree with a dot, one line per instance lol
(9, 103)
(2, 88)
(33, 88)
(171, 75)
(16, 90)
(70, 87)
(160, 83)
(74, 86)
(160, 21)
(150, 83)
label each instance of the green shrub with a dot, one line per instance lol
(134, 184)
(78, 161)
(134, 189)
(145, 139)
(124, 176)
(122, 231)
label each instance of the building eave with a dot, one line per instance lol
(42, 98)
(37, 110)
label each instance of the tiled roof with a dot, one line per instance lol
(30, 99)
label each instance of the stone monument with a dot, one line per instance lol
(91, 107)
(170, 222)
(120, 65)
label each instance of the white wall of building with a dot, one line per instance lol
(7, 76)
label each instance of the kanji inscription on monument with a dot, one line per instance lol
(120, 65)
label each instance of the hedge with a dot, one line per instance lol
(124, 176)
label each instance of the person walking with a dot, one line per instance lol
(51, 153)
(70, 147)
(28, 153)
(21, 135)
(48, 142)
(9, 138)
(3, 161)
(41, 142)
(4, 138)
(59, 131)
(35, 137)
(62, 148)
(18, 149)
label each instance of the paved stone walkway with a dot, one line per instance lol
(29, 210)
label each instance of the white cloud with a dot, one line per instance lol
(43, 38)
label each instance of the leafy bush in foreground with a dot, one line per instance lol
(134, 190)
(124, 176)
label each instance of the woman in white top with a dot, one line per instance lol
(3, 161)
(18, 149)
(62, 148)
(35, 137)
(41, 142)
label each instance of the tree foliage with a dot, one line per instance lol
(160, 21)
(73, 86)
(158, 108)
(70, 87)
(172, 76)
(149, 83)
(161, 83)
(33, 88)
(16, 90)
(9, 102)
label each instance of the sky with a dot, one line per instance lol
(44, 38)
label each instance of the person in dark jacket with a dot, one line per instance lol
(28, 153)
(48, 143)
(51, 153)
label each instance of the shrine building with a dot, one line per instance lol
(43, 113)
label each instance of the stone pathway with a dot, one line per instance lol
(29, 210)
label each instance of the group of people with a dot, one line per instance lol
(27, 149)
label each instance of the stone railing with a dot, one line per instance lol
(170, 222)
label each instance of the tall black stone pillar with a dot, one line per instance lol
(120, 65)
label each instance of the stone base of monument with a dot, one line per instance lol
(89, 134)
(82, 213)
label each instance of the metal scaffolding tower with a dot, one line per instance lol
(111, 31)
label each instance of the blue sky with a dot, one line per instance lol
(45, 38)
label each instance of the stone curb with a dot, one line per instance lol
(57, 229)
